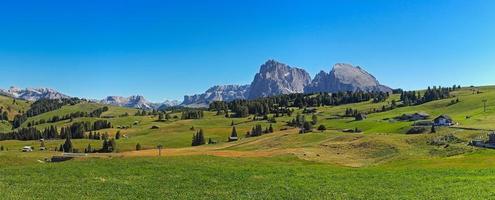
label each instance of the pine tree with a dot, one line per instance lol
(88, 149)
(67, 147)
(112, 145)
(117, 135)
(314, 120)
(104, 147)
(201, 139)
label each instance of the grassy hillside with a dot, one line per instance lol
(380, 162)
(13, 107)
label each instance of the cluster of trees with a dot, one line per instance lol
(304, 125)
(75, 130)
(431, 94)
(192, 114)
(97, 136)
(46, 105)
(4, 115)
(198, 138)
(280, 104)
(42, 106)
(108, 146)
(258, 131)
(95, 113)
(163, 116)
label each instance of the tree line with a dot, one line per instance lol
(280, 104)
(75, 131)
(42, 106)
(95, 113)
(431, 94)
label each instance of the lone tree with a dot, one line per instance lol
(307, 127)
(433, 129)
(117, 135)
(67, 147)
(159, 147)
(270, 129)
(314, 120)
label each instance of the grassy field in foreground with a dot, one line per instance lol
(382, 162)
(206, 177)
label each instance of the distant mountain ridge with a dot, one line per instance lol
(217, 93)
(136, 101)
(33, 94)
(275, 78)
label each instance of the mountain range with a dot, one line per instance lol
(33, 94)
(273, 78)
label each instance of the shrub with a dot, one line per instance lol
(138, 147)
(322, 128)
(416, 130)
(155, 127)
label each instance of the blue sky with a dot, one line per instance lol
(166, 49)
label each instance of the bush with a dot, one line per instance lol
(416, 130)
(322, 128)
(138, 147)
(155, 127)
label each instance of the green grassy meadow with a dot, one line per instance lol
(381, 162)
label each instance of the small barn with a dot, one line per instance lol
(233, 138)
(443, 120)
(413, 117)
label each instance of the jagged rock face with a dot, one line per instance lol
(131, 102)
(345, 77)
(170, 103)
(277, 78)
(33, 94)
(217, 93)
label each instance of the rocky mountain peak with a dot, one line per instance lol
(345, 77)
(135, 101)
(276, 78)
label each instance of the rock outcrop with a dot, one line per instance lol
(345, 77)
(277, 78)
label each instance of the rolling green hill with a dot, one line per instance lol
(380, 160)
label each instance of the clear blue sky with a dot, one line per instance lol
(165, 49)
